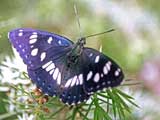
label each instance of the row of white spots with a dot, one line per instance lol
(47, 64)
(103, 84)
(32, 40)
(20, 33)
(107, 67)
(50, 67)
(97, 76)
(117, 72)
(50, 39)
(34, 52)
(97, 59)
(53, 70)
(76, 80)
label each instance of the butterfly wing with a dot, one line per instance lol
(99, 71)
(73, 86)
(36, 46)
(43, 52)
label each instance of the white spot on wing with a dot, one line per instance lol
(59, 42)
(105, 70)
(50, 67)
(51, 72)
(55, 74)
(68, 83)
(80, 77)
(89, 75)
(43, 56)
(97, 59)
(50, 40)
(74, 81)
(20, 46)
(108, 65)
(59, 79)
(34, 33)
(20, 30)
(23, 50)
(45, 65)
(96, 77)
(77, 82)
(33, 36)
(116, 73)
(34, 52)
(91, 54)
(20, 34)
(102, 75)
(31, 41)
(108, 82)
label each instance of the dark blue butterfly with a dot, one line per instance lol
(61, 68)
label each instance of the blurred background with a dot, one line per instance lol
(135, 45)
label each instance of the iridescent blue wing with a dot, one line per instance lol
(42, 52)
(36, 46)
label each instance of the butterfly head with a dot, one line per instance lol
(81, 41)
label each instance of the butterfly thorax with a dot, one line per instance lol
(73, 56)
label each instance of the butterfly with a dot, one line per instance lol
(62, 68)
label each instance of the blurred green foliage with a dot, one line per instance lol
(58, 16)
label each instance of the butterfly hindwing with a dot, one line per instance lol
(48, 77)
(74, 91)
(36, 46)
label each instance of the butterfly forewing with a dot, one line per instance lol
(99, 71)
(74, 91)
(36, 46)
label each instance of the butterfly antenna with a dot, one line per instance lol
(77, 17)
(107, 31)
